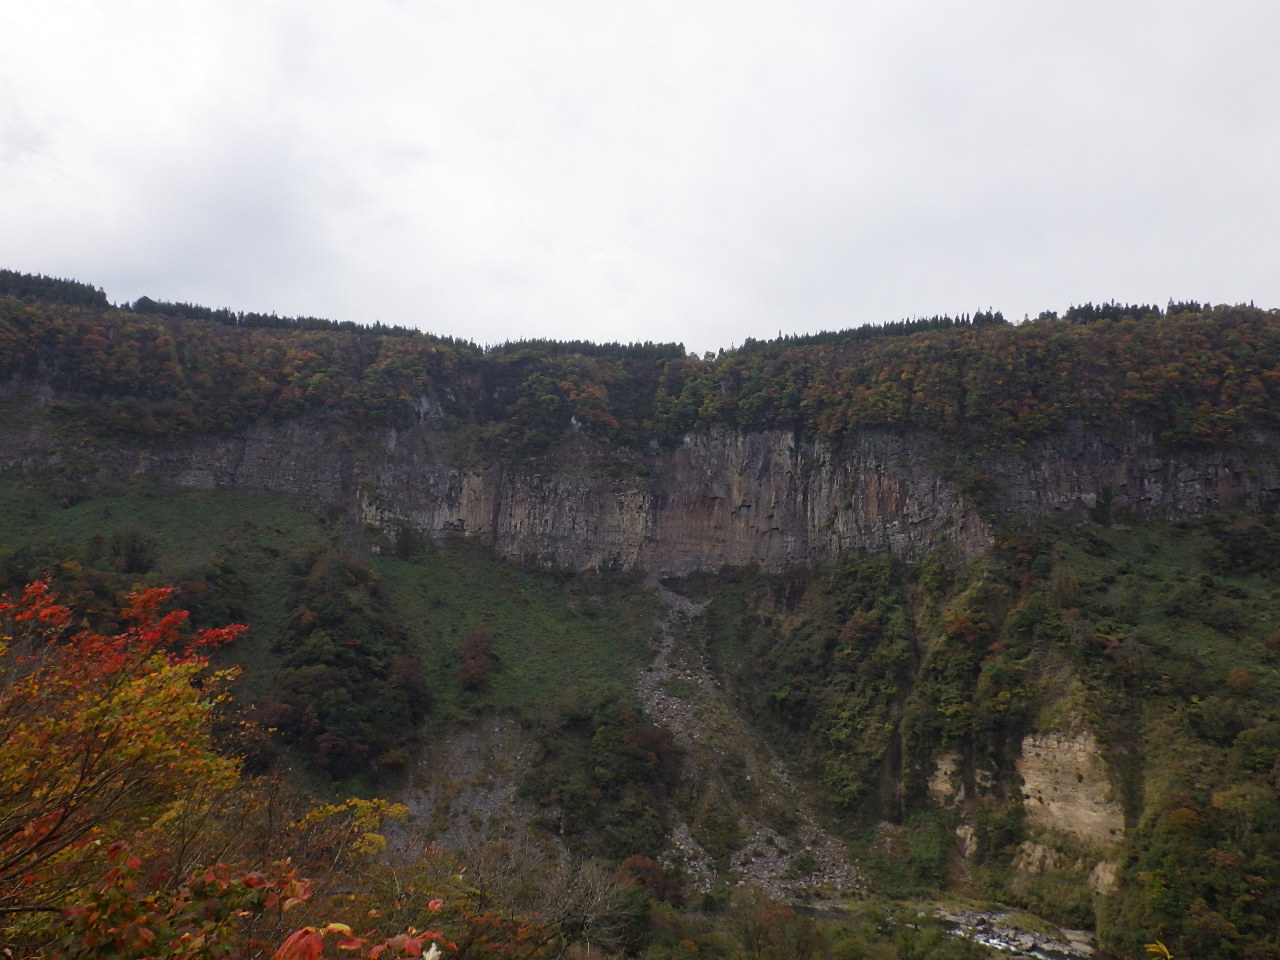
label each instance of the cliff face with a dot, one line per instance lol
(1071, 470)
(720, 497)
(1066, 787)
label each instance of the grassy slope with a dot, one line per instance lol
(556, 640)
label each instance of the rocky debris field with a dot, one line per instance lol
(476, 802)
(793, 859)
(999, 930)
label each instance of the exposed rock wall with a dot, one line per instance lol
(1072, 469)
(721, 497)
(1067, 791)
(1065, 787)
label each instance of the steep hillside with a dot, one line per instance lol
(1082, 720)
(952, 605)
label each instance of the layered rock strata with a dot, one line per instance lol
(721, 497)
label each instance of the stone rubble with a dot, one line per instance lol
(995, 930)
(785, 868)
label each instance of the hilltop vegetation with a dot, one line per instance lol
(155, 372)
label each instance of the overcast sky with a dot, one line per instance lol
(701, 171)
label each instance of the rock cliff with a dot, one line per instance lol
(720, 497)
(1067, 787)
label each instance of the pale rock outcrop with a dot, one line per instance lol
(1066, 787)
(1105, 876)
(1036, 859)
(945, 786)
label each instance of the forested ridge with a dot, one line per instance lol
(1195, 374)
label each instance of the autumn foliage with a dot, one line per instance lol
(124, 833)
(101, 737)
(110, 788)
(1193, 374)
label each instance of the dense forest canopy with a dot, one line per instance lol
(27, 286)
(1195, 374)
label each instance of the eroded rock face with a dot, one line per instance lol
(767, 498)
(1072, 469)
(1066, 787)
(1037, 859)
(1105, 876)
(720, 497)
(945, 786)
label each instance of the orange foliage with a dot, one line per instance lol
(101, 735)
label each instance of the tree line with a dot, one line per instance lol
(1193, 374)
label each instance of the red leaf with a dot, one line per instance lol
(304, 944)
